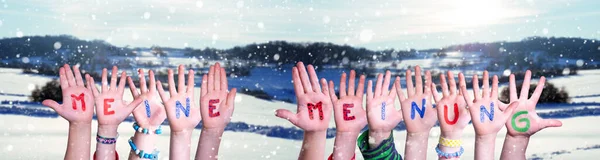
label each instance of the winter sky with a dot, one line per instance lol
(376, 24)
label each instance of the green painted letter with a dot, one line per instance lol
(526, 120)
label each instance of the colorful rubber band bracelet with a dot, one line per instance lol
(106, 140)
(137, 128)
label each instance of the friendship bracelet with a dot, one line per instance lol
(450, 142)
(449, 155)
(146, 130)
(141, 153)
(105, 140)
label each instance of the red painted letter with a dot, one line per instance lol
(78, 98)
(455, 114)
(212, 107)
(347, 112)
(107, 106)
(312, 107)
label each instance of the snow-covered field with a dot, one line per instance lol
(22, 135)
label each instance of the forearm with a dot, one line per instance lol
(208, 145)
(78, 145)
(143, 142)
(313, 146)
(514, 147)
(344, 145)
(416, 145)
(180, 144)
(457, 135)
(106, 151)
(485, 146)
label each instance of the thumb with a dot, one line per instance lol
(510, 110)
(287, 114)
(133, 105)
(550, 123)
(52, 104)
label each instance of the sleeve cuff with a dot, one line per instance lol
(385, 150)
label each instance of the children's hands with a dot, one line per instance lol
(381, 110)
(216, 104)
(78, 101)
(451, 108)
(110, 107)
(314, 104)
(348, 110)
(524, 119)
(422, 119)
(181, 109)
(150, 112)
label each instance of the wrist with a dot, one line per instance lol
(78, 125)
(452, 134)
(347, 134)
(107, 130)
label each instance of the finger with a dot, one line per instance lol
(152, 83)
(550, 123)
(113, 78)
(351, 85)
(370, 90)
(476, 87)
(463, 89)
(181, 79)
(171, 83)
(452, 83)
(314, 80)
(419, 81)
(297, 82)
(132, 87)
(104, 80)
(360, 91)
(92, 85)
(495, 87)
(393, 92)
(513, 88)
(436, 95)
(224, 83)
(525, 88)
(343, 85)
(70, 77)
(78, 78)
(444, 85)
(378, 85)
(286, 114)
(231, 97)
(538, 90)
(428, 83)
(142, 78)
(211, 78)
(122, 82)
(486, 85)
(410, 88)
(52, 104)
(304, 77)
(399, 89)
(332, 92)
(64, 83)
(191, 83)
(204, 88)
(325, 90)
(161, 92)
(385, 88)
(217, 76)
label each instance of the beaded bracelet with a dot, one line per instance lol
(141, 153)
(105, 140)
(145, 130)
(450, 142)
(449, 155)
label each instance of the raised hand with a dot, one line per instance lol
(451, 108)
(216, 103)
(149, 113)
(77, 106)
(314, 104)
(381, 110)
(524, 119)
(487, 112)
(419, 114)
(110, 107)
(348, 109)
(181, 109)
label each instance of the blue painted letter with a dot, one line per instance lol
(147, 108)
(179, 107)
(490, 114)
(415, 107)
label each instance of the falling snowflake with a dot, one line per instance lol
(580, 63)
(57, 45)
(261, 25)
(366, 35)
(146, 15)
(276, 57)
(506, 72)
(19, 34)
(199, 4)
(25, 60)
(326, 19)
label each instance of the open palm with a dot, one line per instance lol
(216, 103)
(77, 106)
(423, 118)
(181, 111)
(381, 109)
(110, 107)
(150, 112)
(348, 110)
(314, 104)
(451, 108)
(524, 119)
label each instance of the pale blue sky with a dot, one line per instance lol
(376, 24)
